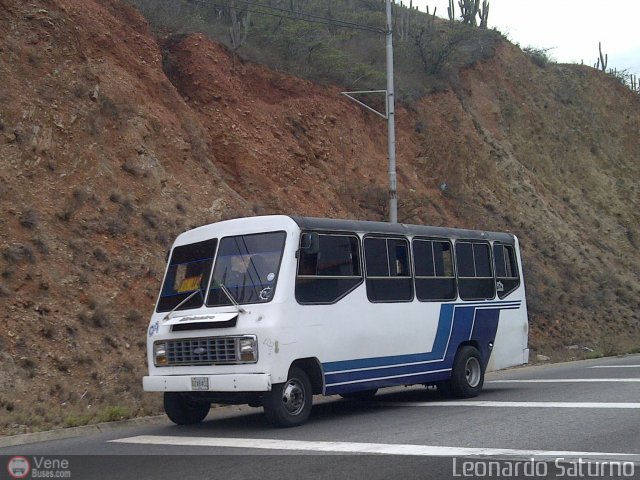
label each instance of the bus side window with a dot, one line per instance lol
(332, 272)
(307, 264)
(434, 270)
(475, 276)
(388, 273)
(507, 279)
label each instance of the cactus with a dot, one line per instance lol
(431, 18)
(430, 15)
(451, 10)
(406, 18)
(468, 11)
(240, 21)
(603, 60)
(625, 78)
(484, 14)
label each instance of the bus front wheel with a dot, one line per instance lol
(467, 376)
(183, 410)
(288, 404)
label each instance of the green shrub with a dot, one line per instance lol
(114, 414)
(539, 56)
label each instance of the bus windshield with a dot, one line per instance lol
(189, 271)
(247, 265)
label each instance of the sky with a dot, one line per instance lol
(571, 29)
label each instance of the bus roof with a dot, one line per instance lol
(363, 226)
(241, 226)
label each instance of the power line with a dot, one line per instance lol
(312, 16)
(306, 17)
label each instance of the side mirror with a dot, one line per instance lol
(310, 243)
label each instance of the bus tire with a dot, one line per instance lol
(183, 410)
(361, 396)
(467, 376)
(288, 404)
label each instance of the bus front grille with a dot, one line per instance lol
(202, 351)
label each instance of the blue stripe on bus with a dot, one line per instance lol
(426, 377)
(400, 370)
(457, 323)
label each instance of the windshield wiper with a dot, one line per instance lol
(168, 315)
(233, 300)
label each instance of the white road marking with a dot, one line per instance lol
(368, 448)
(569, 380)
(474, 403)
(615, 366)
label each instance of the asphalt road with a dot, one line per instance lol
(572, 420)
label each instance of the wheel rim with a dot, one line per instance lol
(472, 371)
(293, 397)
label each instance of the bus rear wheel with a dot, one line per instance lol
(288, 404)
(183, 410)
(467, 376)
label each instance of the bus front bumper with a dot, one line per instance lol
(250, 382)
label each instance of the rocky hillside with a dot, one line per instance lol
(112, 141)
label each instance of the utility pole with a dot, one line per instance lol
(389, 115)
(391, 122)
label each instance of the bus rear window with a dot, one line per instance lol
(506, 269)
(189, 271)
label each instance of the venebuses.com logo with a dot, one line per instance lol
(18, 467)
(38, 467)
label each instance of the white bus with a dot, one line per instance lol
(272, 310)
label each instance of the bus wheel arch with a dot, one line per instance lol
(311, 366)
(467, 374)
(288, 404)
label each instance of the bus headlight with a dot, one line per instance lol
(160, 358)
(248, 349)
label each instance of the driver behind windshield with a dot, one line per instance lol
(237, 272)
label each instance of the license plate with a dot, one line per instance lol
(199, 383)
